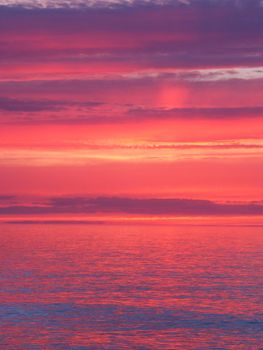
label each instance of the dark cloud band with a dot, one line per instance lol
(151, 206)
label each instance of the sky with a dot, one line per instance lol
(128, 108)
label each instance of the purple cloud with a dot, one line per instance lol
(23, 105)
(206, 33)
(135, 206)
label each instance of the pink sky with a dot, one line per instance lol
(131, 102)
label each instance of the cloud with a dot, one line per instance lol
(18, 105)
(63, 114)
(43, 4)
(209, 33)
(135, 206)
(6, 198)
(197, 113)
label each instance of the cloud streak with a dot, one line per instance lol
(114, 3)
(87, 115)
(23, 105)
(135, 206)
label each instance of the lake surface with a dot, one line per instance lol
(85, 287)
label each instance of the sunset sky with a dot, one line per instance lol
(131, 109)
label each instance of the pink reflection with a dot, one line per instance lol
(130, 287)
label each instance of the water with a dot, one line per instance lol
(142, 287)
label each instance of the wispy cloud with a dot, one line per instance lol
(23, 105)
(83, 153)
(113, 3)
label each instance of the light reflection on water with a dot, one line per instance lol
(116, 287)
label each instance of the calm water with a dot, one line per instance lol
(101, 287)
